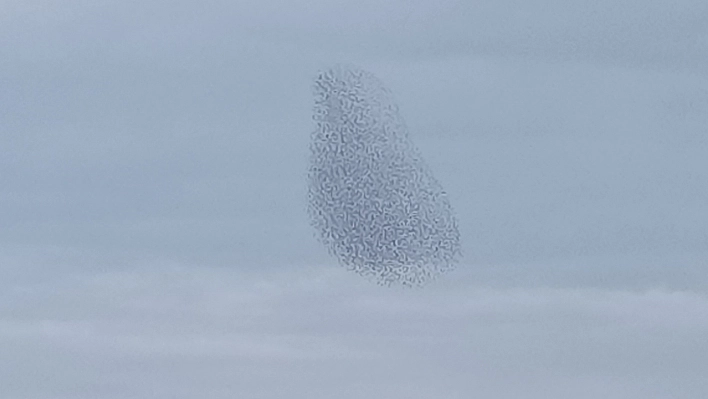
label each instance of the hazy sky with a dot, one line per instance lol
(153, 235)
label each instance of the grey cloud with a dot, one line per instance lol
(553, 163)
(633, 32)
(154, 239)
(628, 32)
(176, 331)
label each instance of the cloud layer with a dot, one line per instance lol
(320, 332)
(154, 239)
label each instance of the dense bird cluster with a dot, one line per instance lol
(372, 198)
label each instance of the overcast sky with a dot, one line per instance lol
(153, 235)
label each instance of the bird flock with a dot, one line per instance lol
(372, 199)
